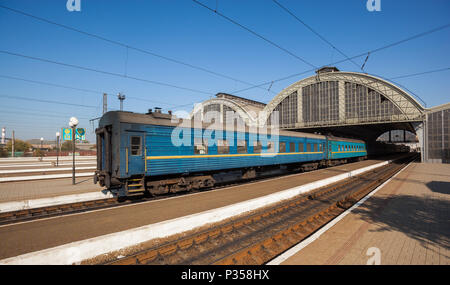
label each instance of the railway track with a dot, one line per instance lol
(86, 206)
(260, 237)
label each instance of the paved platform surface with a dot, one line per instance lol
(408, 220)
(26, 190)
(36, 235)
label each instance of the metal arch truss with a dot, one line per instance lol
(250, 118)
(409, 109)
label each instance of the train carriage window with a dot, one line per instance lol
(301, 147)
(257, 147)
(308, 147)
(200, 146)
(223, 147)
(270, 147)
(136, 147)
(241, 146)
(291, 147)
(320, 147)
(282, 147)
(315, 147)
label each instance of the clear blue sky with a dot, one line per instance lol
(190, 33)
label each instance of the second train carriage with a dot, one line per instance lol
(137, 153)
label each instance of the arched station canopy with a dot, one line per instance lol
(343, 103)
(246, 110)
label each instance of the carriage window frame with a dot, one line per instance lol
(257, 147)
(301, 147)
(270, 148)
(242, 148)
(199, 145)
(223, 147)
(308, 147)
(291, 147)
(314, 147)
(281, 147)
(133, 150)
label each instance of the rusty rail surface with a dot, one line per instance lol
(78, 207)
(56, 210)
(260, 237)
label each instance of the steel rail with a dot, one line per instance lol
(12, 217)
(261, 236)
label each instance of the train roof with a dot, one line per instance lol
(155, 118)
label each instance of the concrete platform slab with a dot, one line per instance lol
(38, 235)
(25, 190)
(405, 222)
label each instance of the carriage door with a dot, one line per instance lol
(135, 153)
(330, 153)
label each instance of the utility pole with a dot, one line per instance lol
(121, 97)
(57, 148)
(12, 144)
(105, 103)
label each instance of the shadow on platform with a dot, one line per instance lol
(422, 219)
(442, 187)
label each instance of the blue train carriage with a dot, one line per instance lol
(340, 150)
(136, 153)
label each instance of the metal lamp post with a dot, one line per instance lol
(73, 124)
(57, 148)
(42, 152)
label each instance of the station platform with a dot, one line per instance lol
(26, 190)
(37, 235)
(405, 222)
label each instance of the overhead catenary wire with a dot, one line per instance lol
(315, 32)
(420, 73)
(257, 35)
(104, 72)
(353, 57)
(40, 114)
(127, 46)
(47, 101)
(109, 93)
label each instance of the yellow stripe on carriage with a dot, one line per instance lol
(348, 151)
(228, 155)
(239, 155)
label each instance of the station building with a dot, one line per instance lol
(348, 104)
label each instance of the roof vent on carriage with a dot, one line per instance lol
(158, 110)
